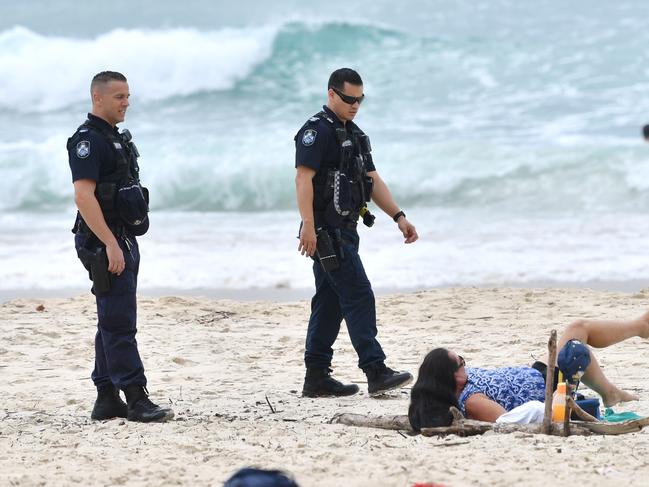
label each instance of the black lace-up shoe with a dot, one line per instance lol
(319, 383)
(381, 379)
(108, 404)
(140, 407)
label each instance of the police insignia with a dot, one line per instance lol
(83, 149)
(309, 137)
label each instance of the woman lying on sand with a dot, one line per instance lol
(485, 394)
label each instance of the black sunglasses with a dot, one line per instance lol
(350, 100)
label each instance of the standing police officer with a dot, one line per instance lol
(335, 179)
(113, 209)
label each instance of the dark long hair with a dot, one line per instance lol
(434, 392)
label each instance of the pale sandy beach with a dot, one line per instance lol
(219, 363)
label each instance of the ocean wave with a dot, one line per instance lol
(50, 73)
(553, 180)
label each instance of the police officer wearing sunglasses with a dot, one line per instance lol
(335, 180)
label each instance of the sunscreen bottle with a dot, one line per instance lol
(559, 403)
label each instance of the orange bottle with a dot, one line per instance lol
(559, 403)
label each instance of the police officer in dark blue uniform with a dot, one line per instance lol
(113, 210)
(335, 179)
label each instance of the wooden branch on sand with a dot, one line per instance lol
(606, 428)
(470, 427)
(397, 422)
(549, 382)
(583, 415)
(461, 427)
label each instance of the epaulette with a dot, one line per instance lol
(322, 115)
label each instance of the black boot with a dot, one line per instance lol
(319, 383)
(381, 379)
(140, 407)
(108, 404)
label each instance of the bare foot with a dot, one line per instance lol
(618, 396)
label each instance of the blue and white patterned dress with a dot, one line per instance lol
(508, 386)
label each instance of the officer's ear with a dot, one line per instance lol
(330, 94)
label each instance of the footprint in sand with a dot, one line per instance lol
(182, 361)
(49, 334)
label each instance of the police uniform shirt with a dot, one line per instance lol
(316, 145)
(90, 153)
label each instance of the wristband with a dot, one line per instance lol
(398, 215)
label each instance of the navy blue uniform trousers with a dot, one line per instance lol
(343, 293)
(117, 360)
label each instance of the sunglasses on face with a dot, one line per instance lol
(350, 100)
(460, 361)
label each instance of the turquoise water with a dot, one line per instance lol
(482, 115)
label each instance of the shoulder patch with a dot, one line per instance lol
(309, 137)
(83, 149)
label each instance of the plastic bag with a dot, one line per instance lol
(530, 412)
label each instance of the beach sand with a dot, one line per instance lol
(233, 370)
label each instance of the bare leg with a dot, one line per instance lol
(601, 334)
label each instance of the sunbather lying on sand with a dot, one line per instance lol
(485, 394)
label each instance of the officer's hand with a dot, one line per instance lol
(307, 240)
(115, 255)
(408, 230)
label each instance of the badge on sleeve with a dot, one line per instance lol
(309, 137)
(83, 149)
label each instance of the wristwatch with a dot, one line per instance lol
(398, 215)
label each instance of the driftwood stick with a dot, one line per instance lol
(566, 417)
(549, 382)
(460, 428)
(566, 409)
(469, 427)
(457, 414)
(397, 422)
(606, 428)
(583, 415)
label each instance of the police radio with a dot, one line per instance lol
(128, 140)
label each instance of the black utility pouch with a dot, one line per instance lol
(325, 251)
(132, 203)
(99, 270)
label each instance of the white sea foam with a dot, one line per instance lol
(50, 73)
(186, 251)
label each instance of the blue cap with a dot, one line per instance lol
(573, 360)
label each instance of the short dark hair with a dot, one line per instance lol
(645, 131)
(340, 76)
(434, 392)
(104, 77)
